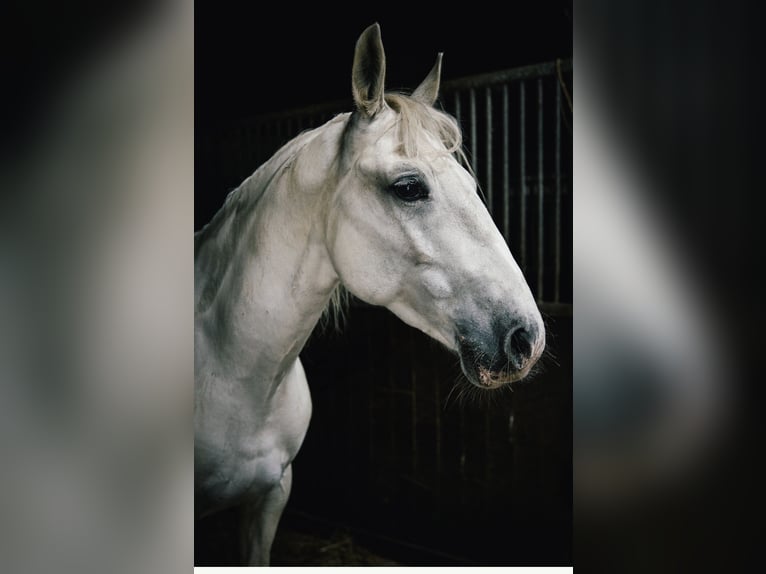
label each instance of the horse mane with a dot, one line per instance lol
(255, 185)
(334, 314)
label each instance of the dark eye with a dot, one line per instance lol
(410, 189)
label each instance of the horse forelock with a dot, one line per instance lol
(423, 131)
(416, 121)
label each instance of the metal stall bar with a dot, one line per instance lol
(457, 110)
(488, 151)
(522, 180)
(261, 147)
(506, 169)
(506, 76)
(472, 112)
(278, 133)
(540, 192)
(557, 223)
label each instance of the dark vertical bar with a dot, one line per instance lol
(540, 191)
(393, 414)
(472, 111)
(273, 136)
(487, 457)
(457, 109)
(414, 430)
(350, 396)
(247, 147)
(488, 151)
(506, 169)
(557, 167)
(413, 413)
(463, 452)
(257, 136)
(242, 151)
(523, 179)
(236, 143)
(438, 425)
(371, 411)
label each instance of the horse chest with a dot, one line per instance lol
(239, 466)
(242, 449)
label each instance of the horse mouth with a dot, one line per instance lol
(490, 380)
(487, 379)
(487, 376)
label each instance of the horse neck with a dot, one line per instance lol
(275, 276)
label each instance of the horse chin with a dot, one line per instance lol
(481, 377)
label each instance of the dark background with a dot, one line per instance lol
(388, 460)
(249, 63)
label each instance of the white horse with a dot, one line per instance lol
(376, 202)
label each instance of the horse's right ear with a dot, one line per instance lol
(428, 91)
(369, 72)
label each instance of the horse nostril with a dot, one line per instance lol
(521, 341)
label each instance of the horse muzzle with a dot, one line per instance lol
(504, 355)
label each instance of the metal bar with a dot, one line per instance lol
(540, 191)
(557, 222)
(438, 427)
(505, 76)
(414, 417)
(506, 169)
(457, 109)
(488, 151)
(242, 150)
(522, 182)
(371, 400)
(487, 454)
(257, 142)
(472, 112)
(278, 134)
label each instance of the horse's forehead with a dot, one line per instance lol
(388, 159)
(386, 147)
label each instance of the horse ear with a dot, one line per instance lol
(428, 90)
(369, 72)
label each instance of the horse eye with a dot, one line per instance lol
(410, 189)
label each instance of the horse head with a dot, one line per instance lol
(407, 230)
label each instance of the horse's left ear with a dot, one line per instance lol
(369, 72)
(428, 90)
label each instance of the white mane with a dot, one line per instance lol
(251, 190)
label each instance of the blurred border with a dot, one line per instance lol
(96, 354)
(663, 252)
